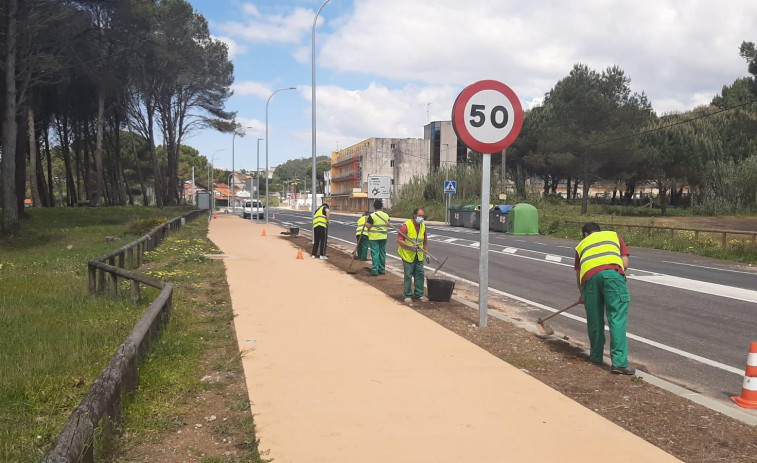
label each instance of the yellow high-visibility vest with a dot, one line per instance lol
(378, 230)
(415, 238)
(361, 230)
(320, 219)
(599, 248)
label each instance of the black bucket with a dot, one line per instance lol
(440, 290)
(294, 230)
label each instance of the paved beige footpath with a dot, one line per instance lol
(339, 372)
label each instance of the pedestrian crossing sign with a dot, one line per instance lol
(450, 187)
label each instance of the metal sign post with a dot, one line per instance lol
(487, 116)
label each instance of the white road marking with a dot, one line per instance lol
(509, 250)
(450, 240)
(711, 268)
(704, 287)
(475, 244)
(552, 258)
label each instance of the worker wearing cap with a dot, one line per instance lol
(601, 261)
(320, 231)
(377, 224)
(361, 235)
(412, 241)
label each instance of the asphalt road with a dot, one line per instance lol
(691, 318)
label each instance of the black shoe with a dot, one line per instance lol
(623, 371)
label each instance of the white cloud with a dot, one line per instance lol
(269, 28)
(675, 50)
(246, 88)
(348, 116)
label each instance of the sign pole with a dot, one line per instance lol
(483, 261)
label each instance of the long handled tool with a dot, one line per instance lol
(354, 253)
(424, 250)
(545, 329)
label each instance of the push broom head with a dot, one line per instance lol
(544, 330)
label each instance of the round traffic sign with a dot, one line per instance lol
(487, 116)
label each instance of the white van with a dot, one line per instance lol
(255, 208)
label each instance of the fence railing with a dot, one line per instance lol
(723, 233)
(102, 404)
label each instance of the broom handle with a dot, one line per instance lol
(542, 320)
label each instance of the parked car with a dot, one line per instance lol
(255, 208)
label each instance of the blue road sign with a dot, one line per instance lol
(450, 187)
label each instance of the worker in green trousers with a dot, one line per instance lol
(361, 235)
(600, 264)
(377, 224)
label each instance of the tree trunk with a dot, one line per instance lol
(50, 180)
(663, 194)
(138, 167)
(99, 149)
(567, 188)
(20, 182)
(575, 189)
(33, 183)
(586, 186)
(10, 205)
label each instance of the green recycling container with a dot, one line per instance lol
(523, 219)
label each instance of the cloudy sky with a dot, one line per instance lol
(387, 67)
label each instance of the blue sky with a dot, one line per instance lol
(385, 67)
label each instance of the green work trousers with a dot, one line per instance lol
(414, 271)
(606, 292)
(378, 256)
(362, 247)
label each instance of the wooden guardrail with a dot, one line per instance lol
(723, 233)
(102, 404)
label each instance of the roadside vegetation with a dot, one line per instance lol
(55, 338)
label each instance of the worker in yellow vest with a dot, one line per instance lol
(320, 231)
(361, 235)
(600, 264)
(377, 224)
(411, 247)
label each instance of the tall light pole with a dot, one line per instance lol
(233, 181)
(313, 101)
(446, 179)
(257, 180)
(210, 183)
(267, 203)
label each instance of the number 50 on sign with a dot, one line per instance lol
(487, 116)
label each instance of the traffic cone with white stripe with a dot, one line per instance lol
(748, 397)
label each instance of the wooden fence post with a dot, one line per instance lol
(134, 290)
(724, 242)
(140, 253)
(130, 258)
(100, 280)
(92, 278)
(672, 233)
(696, 236)
(121, 257)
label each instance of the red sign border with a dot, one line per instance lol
(458, 116)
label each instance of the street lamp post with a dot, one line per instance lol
(257, 180)
(446, 179)
(315, 192)
(210, 183)
(267, 202)
(233, 181)
(228, 196)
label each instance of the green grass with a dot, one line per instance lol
(54, 337)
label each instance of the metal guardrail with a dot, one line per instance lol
(103, 400)
(723, 233)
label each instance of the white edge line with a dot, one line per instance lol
(710, 268)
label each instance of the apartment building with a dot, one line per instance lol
(400, 159)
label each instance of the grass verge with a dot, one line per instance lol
(54, 337)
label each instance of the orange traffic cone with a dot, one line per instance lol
(748, 397)
(215, 216)
(263, 234)
(299, 254)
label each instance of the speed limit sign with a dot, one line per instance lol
(487, 116)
